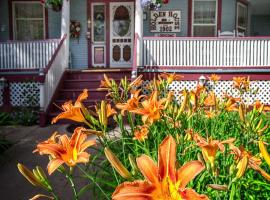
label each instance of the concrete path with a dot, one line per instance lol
(13, 186)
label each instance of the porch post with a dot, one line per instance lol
(65, 20)
(139, 32)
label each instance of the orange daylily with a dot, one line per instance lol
(210, 147)
(74, 112)
(241, 83)
(137, 82)
(63, 149)
(210, 100)
(105, 84)
(246, 159)
(141, 133)
(163, 180)
(231, 103)
(171, 77)
(210, 114)
(131, 104)
(260, 106)
(215, 78)
(151, 110)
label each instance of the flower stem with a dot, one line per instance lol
(91, 178)
(70, 179)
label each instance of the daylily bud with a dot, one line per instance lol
(232, 169)
(241, 112)
(242, 166)
(218, 187)
(133, 164)
(34, 180)
(264, 152)
(116, 163)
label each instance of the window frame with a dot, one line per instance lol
(216, 17)
(14, 32)
(245, 6)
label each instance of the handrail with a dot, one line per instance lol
(48, 66)
(135, 63)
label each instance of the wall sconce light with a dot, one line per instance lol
(202, 80)
(3, 83)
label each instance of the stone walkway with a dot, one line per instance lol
(13, 186)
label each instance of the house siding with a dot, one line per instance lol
(4, 21)
(260, 25)
(54, 24)
(79, 48)
(228, 15)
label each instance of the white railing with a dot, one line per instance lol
(206, 52)
(53, 74)
(26, 54)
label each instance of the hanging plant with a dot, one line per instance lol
(153, 4)
(75, 29)
(55, 5)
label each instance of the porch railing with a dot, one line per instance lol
(53, 74)
(27, 54)
(206, 52)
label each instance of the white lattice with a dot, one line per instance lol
(24, 94)
(1, 96)
(261, 89)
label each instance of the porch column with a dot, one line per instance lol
(65, 20)
(139, 32)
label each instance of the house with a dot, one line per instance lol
(54, 55)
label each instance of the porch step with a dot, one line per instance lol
(84, 83)
(76, 80)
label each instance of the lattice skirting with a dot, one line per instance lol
(1, 96)
(24, 94)
(262, 89)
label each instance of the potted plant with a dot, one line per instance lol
(55, 5)
(153, 4)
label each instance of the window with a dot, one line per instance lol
(204, 17)
(242, 18)
(28, 20)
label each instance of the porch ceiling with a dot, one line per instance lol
(260, 7)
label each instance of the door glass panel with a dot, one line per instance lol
(99, 23)
(116, 53)
(127, 53)
(121, 21)
(99, 55)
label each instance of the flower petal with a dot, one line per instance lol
(188, 172)
(148, 168)
(167, 158)
(264, 152)
(137, 190)
(53, 165)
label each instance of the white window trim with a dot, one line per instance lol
(194, 24)
(14, 19)
(92, 24)
(237, 15)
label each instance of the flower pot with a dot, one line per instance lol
(57, 7)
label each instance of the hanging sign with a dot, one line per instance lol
(165, 21)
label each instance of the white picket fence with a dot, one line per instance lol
(27, 54)
(206, 52)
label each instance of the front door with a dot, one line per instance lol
(121, 34)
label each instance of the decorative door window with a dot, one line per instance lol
(204, 18)
(242, 18)
(28, 20)
(98, 35)
(121, 38)
(99, 23)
